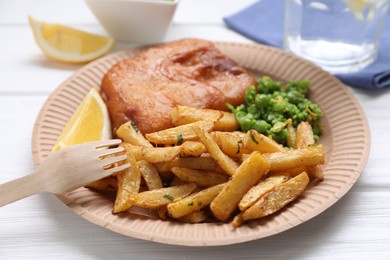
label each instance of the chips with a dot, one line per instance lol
(203, 169)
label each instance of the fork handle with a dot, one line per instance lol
(20, 188)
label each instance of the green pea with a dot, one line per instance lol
(277, 127)
(279, 107)
(240, 114)
(267, 107)
(246, 123)
(295, 97)
(262, 100)
(316, 129)
(280, 137)
(278, 119)
(252, 109)
(250, 95)
(261, 126)
(291, 110)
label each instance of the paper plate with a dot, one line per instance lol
(346, 140)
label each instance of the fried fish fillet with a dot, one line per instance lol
(189, 72)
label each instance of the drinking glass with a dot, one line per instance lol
(341, 36)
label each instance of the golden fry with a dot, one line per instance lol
(224, 161)
(153, 154)
(291, 138)
(196, 163)
(231, 143)
(247, 175)
(194, 217)
(176, 181)
(179, 134)
(150, 175)
(255, 141)
(192, 148)
(202, 178)
(304, 135)
(160, 197)
(237, 221)
(305, 138)
(281, 161)
(153, 182)
(293, 171)
(130, 133)
(196, 159)
(129, 182)
(224, 121)
(277, 198)
(106, 184)
(183, 115)
(255, 193)
(316, 172)
(194, 202)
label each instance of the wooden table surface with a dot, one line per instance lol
(41, 227)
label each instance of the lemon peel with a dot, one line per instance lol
(67, 44)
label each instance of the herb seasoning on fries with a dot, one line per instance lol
(225, 166)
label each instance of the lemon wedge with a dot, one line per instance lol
(89, 123)
(357, 7)
(67, 44)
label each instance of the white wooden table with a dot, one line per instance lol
(41, 227)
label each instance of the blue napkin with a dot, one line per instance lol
(263, 22)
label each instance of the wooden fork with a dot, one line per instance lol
(67, 169)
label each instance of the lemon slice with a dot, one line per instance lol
(89, 123)
(67, 44)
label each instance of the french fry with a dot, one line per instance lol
(291, 138)
(293, 171)
(130, 133)
(277, 198)
(129, 182)
(183, 115)
(194, 217)
(162, 212)
(190, 167)
(231, 143)
(227, 123)
(247, 175)
(255, 193)
(152, 154)
(305, 138)
(179, 134)
(160, 197)
(193, 203)
(255, 141)
(153, 182)
(224, 121)
(224, 161)
(304, 135)
(237, 221)
(202, 178)
(176, 181)
(150, 175)
(316, 172)
(192, 148)
(196, 163)
(106, 184)
(282, 161)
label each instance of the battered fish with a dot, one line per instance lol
(189, 72)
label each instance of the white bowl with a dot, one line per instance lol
(138, 21)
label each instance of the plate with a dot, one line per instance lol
(346, 140)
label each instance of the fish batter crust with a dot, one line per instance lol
(188, 72)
